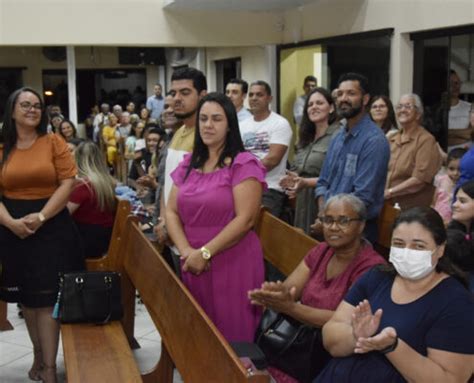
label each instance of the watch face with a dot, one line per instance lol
(206, 254)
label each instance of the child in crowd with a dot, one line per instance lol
(445, 184)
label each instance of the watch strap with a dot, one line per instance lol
(390, 348)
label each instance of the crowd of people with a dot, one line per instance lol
(202, 164)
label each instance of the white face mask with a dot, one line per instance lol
(411, 264)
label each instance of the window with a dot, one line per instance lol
(442, 59)
(10, 80)
(95, 86)
(367, 53)
(226, 70)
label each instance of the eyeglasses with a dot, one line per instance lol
(381, 106)
(27, 106)
(405, 106)
(342, 222)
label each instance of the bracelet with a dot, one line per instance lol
(390, 348)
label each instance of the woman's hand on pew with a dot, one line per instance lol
(274, 295)
(194, 262)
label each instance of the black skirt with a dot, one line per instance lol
(30, 267)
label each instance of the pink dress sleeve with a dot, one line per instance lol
(179, 173)
(246, 166)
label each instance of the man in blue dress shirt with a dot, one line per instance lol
(357, 157)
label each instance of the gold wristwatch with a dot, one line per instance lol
(206, 254)
(41, 217)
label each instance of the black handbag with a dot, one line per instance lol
(291, 346)
(89, 297)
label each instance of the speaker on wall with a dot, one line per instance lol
(141, 56)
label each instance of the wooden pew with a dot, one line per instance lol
(190, 341)
(184, 327)
(110, 262)
(385, 222)
(284, 246)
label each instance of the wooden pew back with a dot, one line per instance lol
(189, 338)
(108, 260)
(385, 222)
(284, 246)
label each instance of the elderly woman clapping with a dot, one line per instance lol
(315, 288)
(414, 157)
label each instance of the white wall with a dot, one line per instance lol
(327, 18)
(128, 22)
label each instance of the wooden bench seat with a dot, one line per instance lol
(190, 341)
(95, 353)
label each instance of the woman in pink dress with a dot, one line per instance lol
(212, 207)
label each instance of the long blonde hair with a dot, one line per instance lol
(91, 167)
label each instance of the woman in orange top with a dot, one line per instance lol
(37, 236)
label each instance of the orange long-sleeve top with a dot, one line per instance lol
(35, 173)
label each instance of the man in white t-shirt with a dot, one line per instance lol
(267, 135)
(459, 129)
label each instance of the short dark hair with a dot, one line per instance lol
(8, 132)
(456, 154)
(157, 130)
(352, 76)
(267, 87)
(310, 78)
(233, 143)
(243, 84)
(196, 76)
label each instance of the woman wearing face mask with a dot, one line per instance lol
(421, 327)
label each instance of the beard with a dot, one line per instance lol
(353, 111)
(183, 116)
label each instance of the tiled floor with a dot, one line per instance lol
(16, 352)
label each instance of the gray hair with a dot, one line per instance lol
(355, 202)
(417, 101)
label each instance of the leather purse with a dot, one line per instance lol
(89, 297)
(291, 346)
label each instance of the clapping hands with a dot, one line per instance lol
(274, 295)
(365, 325)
